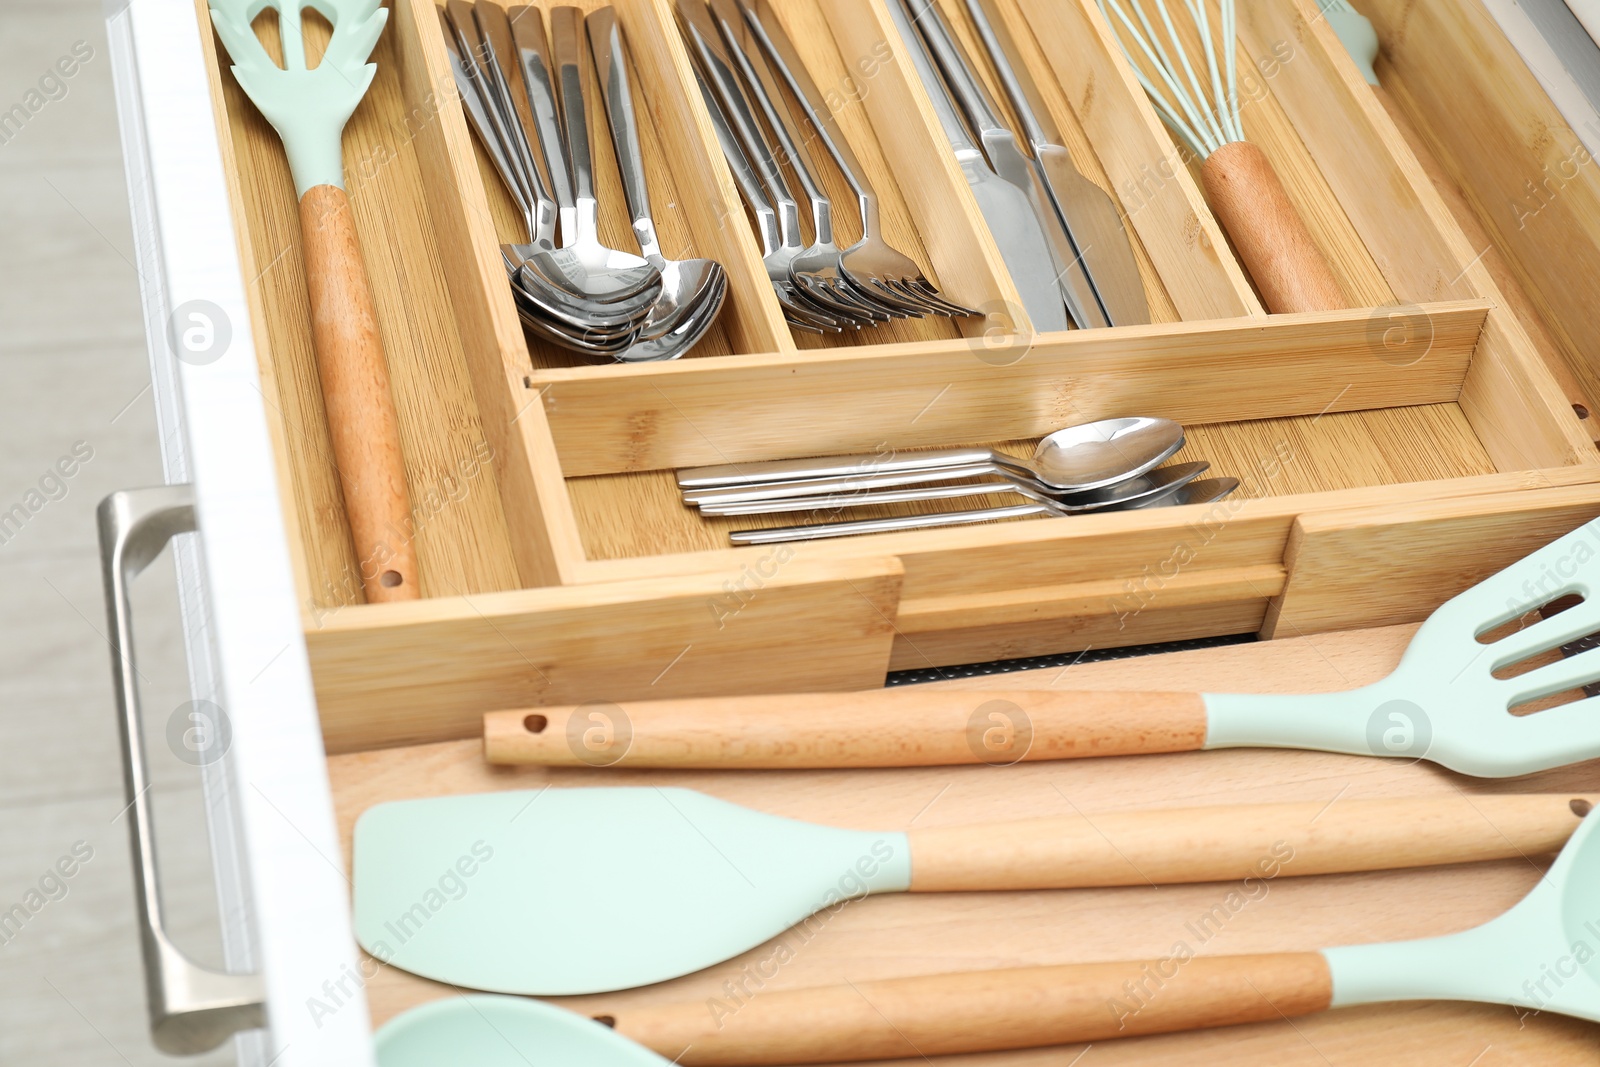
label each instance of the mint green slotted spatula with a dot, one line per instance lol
(309, 106)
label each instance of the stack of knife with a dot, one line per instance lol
(1059, 233)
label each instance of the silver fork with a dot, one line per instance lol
(871, 263)
(729, 106)
(800, 316)
(816, 268)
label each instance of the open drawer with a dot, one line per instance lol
(1389, 452)
(1392, 453)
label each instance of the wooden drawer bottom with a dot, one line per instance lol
(903, 934)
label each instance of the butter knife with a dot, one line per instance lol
(1009, 161)
(1089, 214)
(1004, 207)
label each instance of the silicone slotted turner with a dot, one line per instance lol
(563, 891)
(309, 106)
(1448, 701)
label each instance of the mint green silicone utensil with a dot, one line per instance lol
(1539, 956)
(488, 1031)
(308, 106)
(583, 890)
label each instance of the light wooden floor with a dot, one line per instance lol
(73, 368)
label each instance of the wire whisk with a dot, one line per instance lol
(1188, 66)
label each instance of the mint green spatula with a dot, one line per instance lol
(1542, 955)
(562, 891)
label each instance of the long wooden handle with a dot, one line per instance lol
(984, 1011)
(1271, 238)
(910, 727)
(355, 393)
(1255, 843)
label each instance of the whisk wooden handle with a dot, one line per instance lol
(362, 423)
(984, 1011)
(1271, 238)
(913, 727)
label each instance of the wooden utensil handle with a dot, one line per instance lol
(1255, 842)
(983, 1011)
(1271, 238)
(362, 423)
(912, 727)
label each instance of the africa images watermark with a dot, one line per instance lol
(853, 883)
(51, 87)
(1155, 975)
(452, 885)
(53, 485)
(449, 490)
(1140, 591)
(52, 886)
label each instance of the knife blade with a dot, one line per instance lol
(1087, 211)
(1004, 207)
(1009, 161)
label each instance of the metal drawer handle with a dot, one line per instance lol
(192, 1008)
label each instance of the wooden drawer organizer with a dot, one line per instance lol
(1391, 453)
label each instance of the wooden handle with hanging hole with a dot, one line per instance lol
(362, 422)
(983, 1011)
(903, 727)
(1271, 238)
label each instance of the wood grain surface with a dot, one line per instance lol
(362, 426)
(642, 514)
(461, 540)
(1269, 235)
(909, 935)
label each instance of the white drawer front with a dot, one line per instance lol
(284, 892)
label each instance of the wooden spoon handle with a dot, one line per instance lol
(1255, 842)
(983, 1011)
(910, 727)
(362, 423)
(1271, 238)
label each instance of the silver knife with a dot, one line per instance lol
(1004, 207)
(1089, 214)
(1010, 162)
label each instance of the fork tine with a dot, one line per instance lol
(865, 296)
(927, 289)
(816, 319)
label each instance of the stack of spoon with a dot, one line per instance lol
(523, 93)
(742, 51)
(1110, 465)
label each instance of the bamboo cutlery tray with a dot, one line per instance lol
(1391, 454)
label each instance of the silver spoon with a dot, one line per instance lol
(692, 289)
(1164, 482)
(548, 301)
(1131, 493)
(1076, 459)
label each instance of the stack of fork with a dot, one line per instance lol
(526, 102)
(741, 50)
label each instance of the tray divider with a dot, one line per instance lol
(538, 511)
